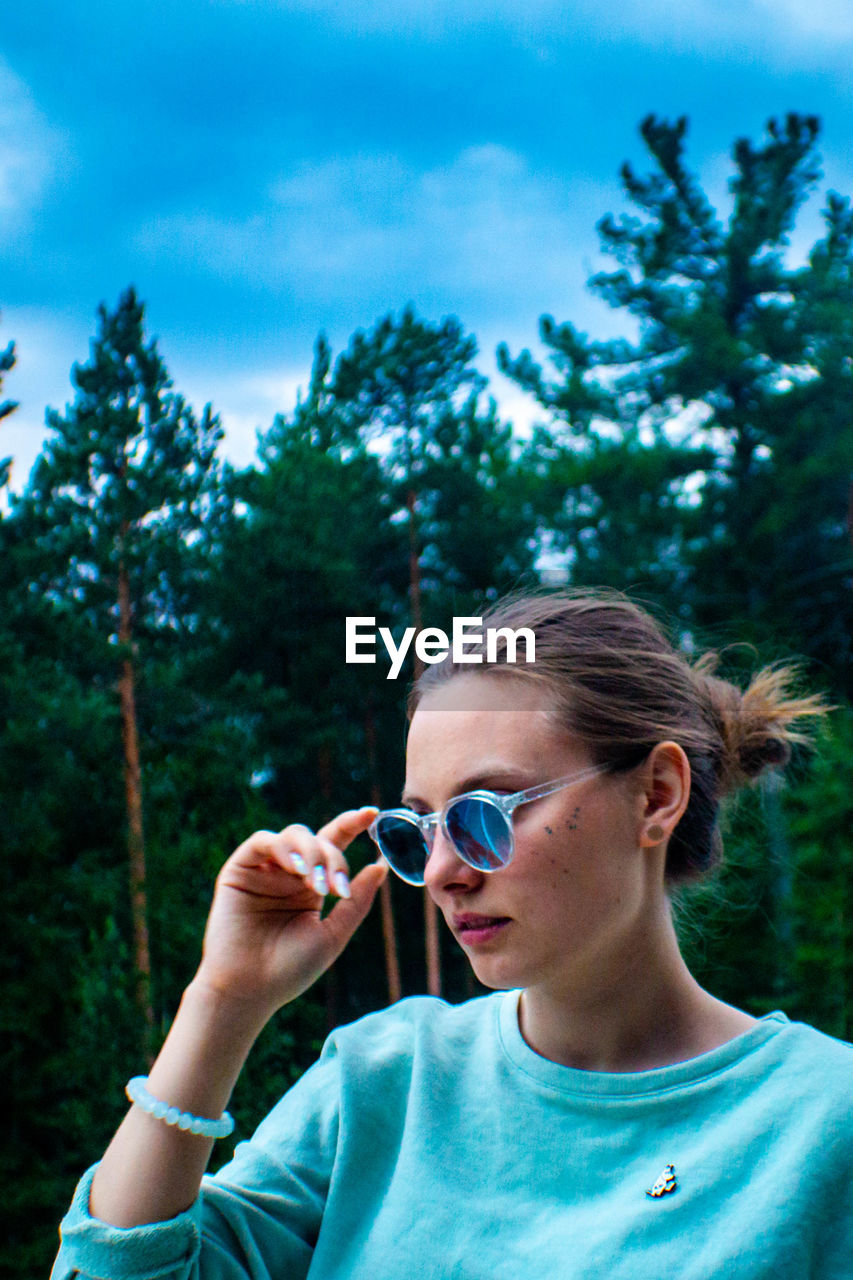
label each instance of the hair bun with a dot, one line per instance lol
(757, 726)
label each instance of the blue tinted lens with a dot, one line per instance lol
(404, 847)
(480, 832)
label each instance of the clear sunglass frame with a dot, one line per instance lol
(426, 823)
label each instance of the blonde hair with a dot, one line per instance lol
(618, 684)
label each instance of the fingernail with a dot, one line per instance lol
(342, 884)
(319, 880)
(298, 863)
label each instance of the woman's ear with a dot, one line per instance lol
(666, 788)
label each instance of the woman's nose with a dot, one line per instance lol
(445, 869)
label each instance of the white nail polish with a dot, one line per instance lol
(319, 880)
(342, 884)
(299, 863)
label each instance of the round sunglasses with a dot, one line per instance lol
(478, 824)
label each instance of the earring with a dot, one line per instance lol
(655, 833)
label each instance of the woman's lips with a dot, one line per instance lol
(472, 929)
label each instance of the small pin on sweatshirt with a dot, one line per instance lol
(665, 1183)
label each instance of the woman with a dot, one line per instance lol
(600, 1114)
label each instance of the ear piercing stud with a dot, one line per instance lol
(655, 833)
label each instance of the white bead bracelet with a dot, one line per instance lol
(137, 1090)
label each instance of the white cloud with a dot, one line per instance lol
(29, 148)
(823, 20)
(482, 230)
(756, 26)
(422, 17)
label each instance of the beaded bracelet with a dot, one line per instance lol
(136, 1089)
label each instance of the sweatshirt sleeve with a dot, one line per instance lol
(255, 1219)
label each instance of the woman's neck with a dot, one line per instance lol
(639, 1009)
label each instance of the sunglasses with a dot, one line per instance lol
(478, 824)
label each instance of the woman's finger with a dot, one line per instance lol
(286, 849)
(315, 857)
(343, 829)
(337, 835)
(344, 918)
(257, 863)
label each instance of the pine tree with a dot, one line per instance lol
(708, 460)
(117, 513)
(7, 363)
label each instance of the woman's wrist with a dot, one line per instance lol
(204, 1052)
(152, 1170)
(245, 1015)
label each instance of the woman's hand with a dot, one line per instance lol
(265, 941)
(264, 945)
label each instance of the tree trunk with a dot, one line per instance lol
(431, 940)
(332, 980)
(389, 931)
(135, 835)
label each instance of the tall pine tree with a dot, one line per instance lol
(117, 514)
(7, 363)
(716, 445)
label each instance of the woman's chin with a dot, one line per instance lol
(496, 977)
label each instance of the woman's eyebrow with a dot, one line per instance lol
(501, 777)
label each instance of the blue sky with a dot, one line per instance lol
(262, 170)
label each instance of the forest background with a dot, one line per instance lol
(172, 628)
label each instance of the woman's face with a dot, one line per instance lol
(578, 889)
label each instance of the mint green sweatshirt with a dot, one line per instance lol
(429, 1140)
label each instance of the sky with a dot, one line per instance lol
(262, 170)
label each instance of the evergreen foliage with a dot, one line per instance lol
(451, 468)
(7, 362)
(716, 445)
